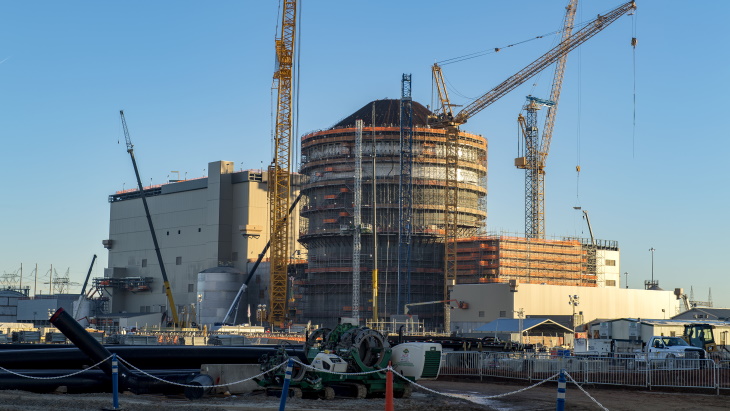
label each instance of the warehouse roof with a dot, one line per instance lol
(510, 325)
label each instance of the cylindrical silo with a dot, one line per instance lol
(217, 287)
(328, 163)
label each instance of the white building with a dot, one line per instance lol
(487, 302)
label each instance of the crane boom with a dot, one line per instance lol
(166, 282)
(450, 123)
(279, 185)
(537, 148)
(566, 46)
(552, 111)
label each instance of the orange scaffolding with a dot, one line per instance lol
(498, 259)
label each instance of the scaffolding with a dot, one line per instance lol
(327, 214)
(501, 258)
(131, 284)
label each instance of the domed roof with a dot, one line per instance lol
(387, 114)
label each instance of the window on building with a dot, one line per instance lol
(610, 283)
(144, 262)
(611, 263)
(199, 229)
(178, 260)
(481, 314)
(502, 314)
(178, 231)
(191, 288)
(261, 293)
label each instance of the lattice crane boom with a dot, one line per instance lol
(552, 111)
(446, 120)
(536, 148)
(566, 46)
(279, 186)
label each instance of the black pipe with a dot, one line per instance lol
(141, 356)
(86, 343)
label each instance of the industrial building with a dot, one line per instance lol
(572, 306)
(324, 293)
(210, 231)
(505, 258)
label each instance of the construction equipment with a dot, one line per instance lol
(166, 282)
(444, 118)
(405, 188)
(350, 349)
(701, 336)
(532, 162)
(537, 149)
(406, 308)
(279, 185)
(83, 289)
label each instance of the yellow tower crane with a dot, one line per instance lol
(444, 118)
(279, 185)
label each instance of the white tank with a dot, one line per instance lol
(217, 287)
(420, 361)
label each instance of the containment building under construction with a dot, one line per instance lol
(329, 157)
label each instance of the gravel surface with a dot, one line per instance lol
(539, 398)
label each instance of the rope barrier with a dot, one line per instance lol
(469, 397)
(58, 376)
(307, 366)
(199, 386)
(585, 392)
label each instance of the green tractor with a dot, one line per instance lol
(335, 354)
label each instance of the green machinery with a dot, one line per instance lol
(345, 349)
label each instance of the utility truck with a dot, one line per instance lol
(659, 351)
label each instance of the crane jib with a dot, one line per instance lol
(575, 40)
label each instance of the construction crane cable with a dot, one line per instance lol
(494, 50)
(633, 62)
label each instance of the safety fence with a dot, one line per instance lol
(203, 385)
(627, 370)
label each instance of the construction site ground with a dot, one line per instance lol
(542, 397)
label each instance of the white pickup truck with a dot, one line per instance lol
(659, 351)
(669, 350)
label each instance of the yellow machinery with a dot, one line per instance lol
(279, 184)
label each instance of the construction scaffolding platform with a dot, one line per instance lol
(131, 284)
(500, 258)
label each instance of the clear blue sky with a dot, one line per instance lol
(194, 80)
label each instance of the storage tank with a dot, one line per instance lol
(328, 162)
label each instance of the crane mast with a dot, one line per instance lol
(536, 148)
(166, 282)
(445, 119)
(405, 206)
(533, 163)
(279, 187)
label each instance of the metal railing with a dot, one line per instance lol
(624, 370)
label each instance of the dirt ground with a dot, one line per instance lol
(539, 398)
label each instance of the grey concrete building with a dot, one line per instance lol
(201, 224)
